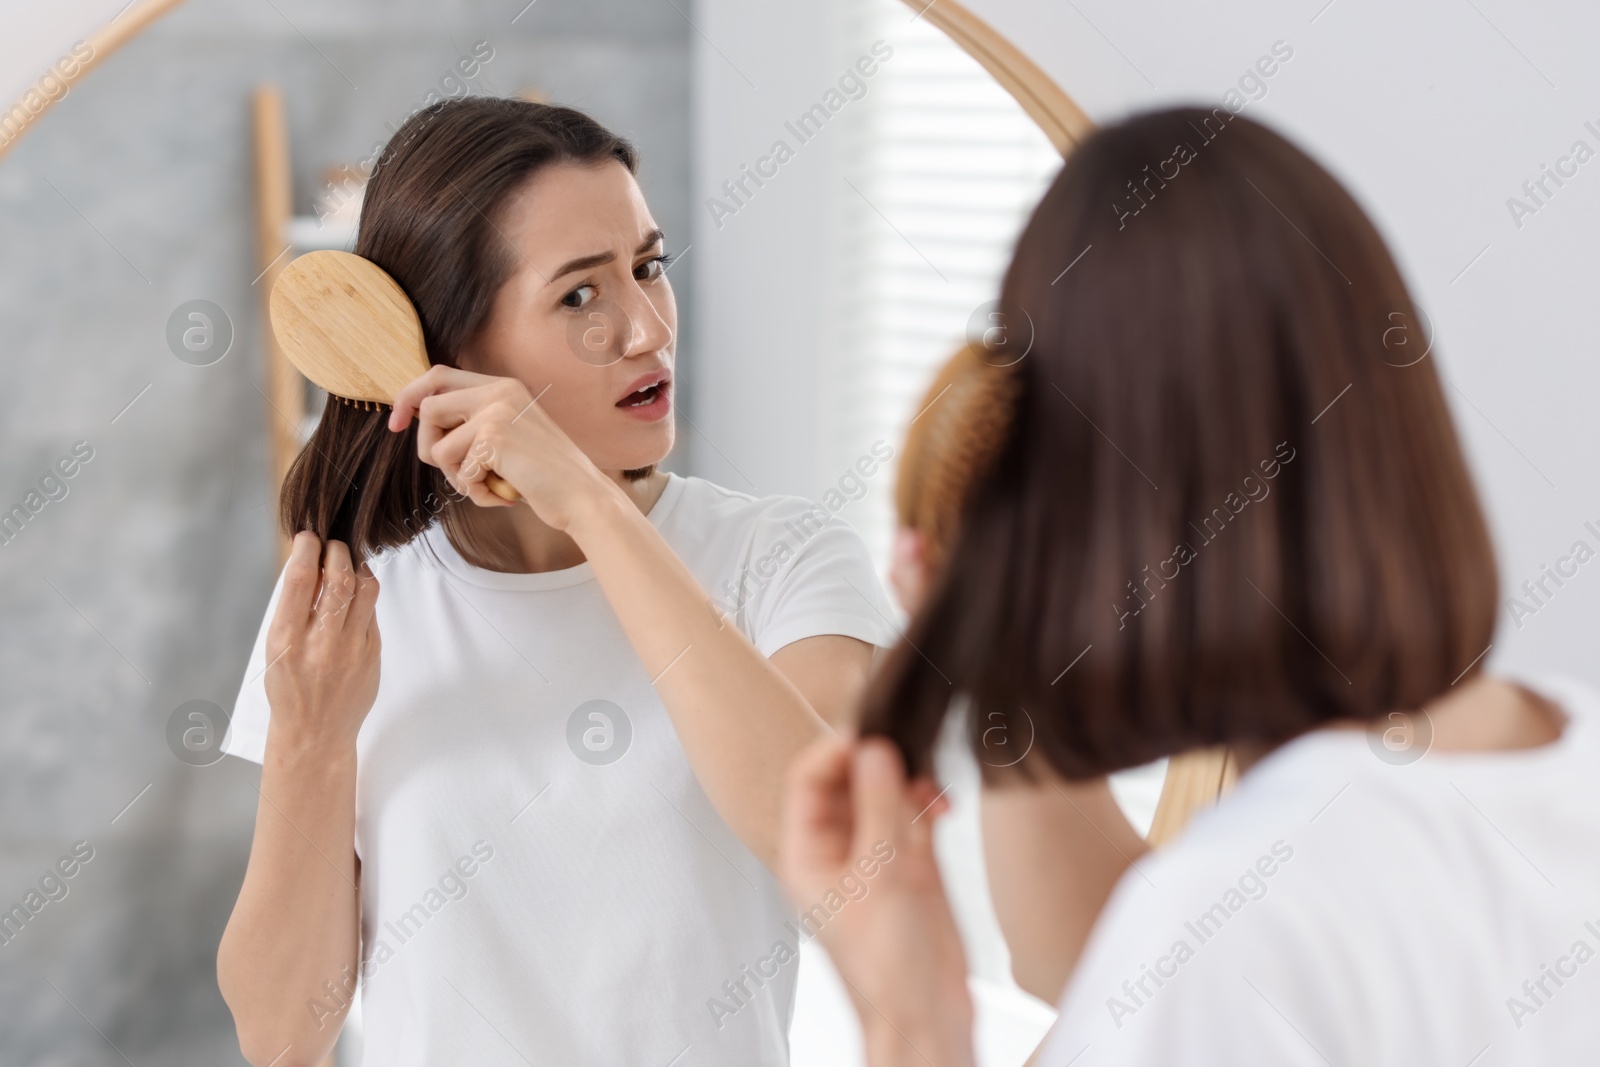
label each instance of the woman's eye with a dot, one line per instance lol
(579, 297)
(652, 268)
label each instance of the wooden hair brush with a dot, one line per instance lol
(952, 444)
(350, 328)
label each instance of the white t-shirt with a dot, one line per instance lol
(1340, 909)
(542, 878)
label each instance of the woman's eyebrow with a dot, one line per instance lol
(585, 262)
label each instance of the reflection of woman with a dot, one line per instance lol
(1406, 868)
(559, 805)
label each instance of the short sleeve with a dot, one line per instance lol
(247, 725)
(820, 583)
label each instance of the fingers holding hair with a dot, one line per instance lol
(363, 610)
(883, 807)
(338, 585)
(302, 577)
(895, 810)
(818, 814)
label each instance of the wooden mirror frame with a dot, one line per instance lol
(103, 42)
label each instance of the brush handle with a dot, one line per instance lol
(501, 488)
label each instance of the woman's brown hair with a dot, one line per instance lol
(1230, 504)
(431, 218)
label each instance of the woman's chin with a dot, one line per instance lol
(643, 458)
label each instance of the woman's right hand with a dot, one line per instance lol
(322, 645)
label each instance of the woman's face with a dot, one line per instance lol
(587, 320)
(908, 568)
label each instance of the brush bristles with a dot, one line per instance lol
(360, 405)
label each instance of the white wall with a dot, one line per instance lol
(753, 402)
(34, 36)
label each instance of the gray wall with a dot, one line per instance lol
(143, 587)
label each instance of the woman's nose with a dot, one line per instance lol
(647, 330)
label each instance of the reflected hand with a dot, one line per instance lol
(896, 946)
(322, 644)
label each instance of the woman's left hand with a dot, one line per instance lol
(469, 425)
(857, 850)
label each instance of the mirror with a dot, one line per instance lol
(229, 138)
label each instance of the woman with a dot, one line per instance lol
(1230, 509)
(541, 836)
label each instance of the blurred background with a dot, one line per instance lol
(814, 308)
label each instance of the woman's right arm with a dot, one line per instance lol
(294, 936)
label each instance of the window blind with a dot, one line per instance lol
(936, 178)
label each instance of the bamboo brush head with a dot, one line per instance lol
(350, 328)
(347, 326)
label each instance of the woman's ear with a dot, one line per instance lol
(908, 567)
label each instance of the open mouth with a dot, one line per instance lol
(648, 391)
(643, 397)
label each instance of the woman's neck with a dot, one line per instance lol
(515, 540)
(1487, 714)
(1493, 715)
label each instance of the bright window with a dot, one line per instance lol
(937, 176)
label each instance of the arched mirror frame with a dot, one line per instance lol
(102, 43)
(1193, 780)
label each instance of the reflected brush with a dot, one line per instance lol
(350, 328)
